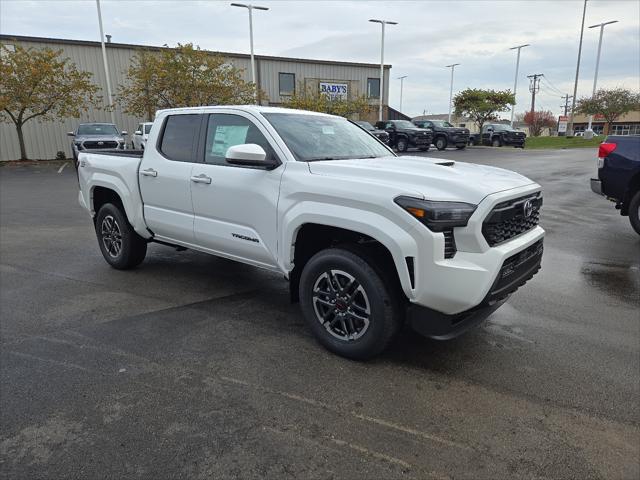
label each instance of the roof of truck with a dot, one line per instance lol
(244, 108)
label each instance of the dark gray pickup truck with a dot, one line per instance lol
(498, 135)
(619, 175)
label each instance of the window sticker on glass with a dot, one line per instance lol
(328, 130)
(227, 136)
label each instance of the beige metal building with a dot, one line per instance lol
(277, 76)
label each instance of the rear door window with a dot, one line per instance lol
(178, 137)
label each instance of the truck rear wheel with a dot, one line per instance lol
(347, 305)
(634, 212)
(120, 245)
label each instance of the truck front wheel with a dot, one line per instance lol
(441, 143)
(402, 145)
(120, 245)
(634, 212)
(496, 142)
(349, 308)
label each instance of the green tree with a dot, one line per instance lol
(611, 104)
(38, 83)
(184, 76)
(312, 99)
(482, 105)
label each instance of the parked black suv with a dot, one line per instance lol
(445, 134)
(498, 135)
(404, 134)
(379, 134)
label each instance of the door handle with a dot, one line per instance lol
(202, 178)
(149, 172)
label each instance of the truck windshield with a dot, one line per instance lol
(147, 127)
(366, 125)
(404, 124)
(503, 128)
(319, 137)
(98, 129)
(442, 123)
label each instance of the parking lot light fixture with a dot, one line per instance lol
(401, 86)
(106, 64)
(381, 95)
(250, 8)
(515, 82)
(595, 77)
(452, 67)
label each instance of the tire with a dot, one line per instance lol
(120, 245)
(441, 143)
(634, 212)
(402, 144)
(357, 324)
(472, 142)
(496, 142)
(461, 147)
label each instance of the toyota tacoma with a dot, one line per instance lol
(367, 239)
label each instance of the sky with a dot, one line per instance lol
(429, 35)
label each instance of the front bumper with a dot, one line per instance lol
(514, 272)
(596, 186)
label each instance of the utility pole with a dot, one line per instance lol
(534, 87)
(401, 85)
(515, 82)
(452, 67)
(383, 23)
(566, 103)
(575, 84)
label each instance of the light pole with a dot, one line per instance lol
(575, 84)
(595, 78)
(401, 85)
(383, 23)
(250, 8)
(452, 67)
(515, 82)
(106, 64)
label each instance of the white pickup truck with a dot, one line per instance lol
(367, 239)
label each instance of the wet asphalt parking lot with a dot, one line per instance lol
(196, 367)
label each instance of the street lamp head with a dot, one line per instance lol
(249, 6)
(388, 22)
(521, 46)
(404, 76)
(603, 24)
(452, 65)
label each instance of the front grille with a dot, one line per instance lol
(511, 218)
(516, 271)
(449, 244)
(98, 144)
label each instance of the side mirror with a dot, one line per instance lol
(249, 155)
(71, 134)
(137, 132)
(124, 132)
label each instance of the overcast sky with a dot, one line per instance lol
(431, 34)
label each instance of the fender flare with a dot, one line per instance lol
(396, 239)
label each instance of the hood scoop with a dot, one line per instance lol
(446, 163)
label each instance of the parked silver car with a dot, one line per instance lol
(96, 136)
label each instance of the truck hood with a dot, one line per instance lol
(433, 179)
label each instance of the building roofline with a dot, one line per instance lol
(65, 41)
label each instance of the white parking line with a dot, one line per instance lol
(62, 167)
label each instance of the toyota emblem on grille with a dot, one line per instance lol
(527, 208)
(100, 143)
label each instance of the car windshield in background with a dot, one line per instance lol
(147, 128)
(97, 129)
(317, 137)
(442, 123)
(366, 125)
(404, 124)
(503, 128)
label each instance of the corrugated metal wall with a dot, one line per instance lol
(44, 139)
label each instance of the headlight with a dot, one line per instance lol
(437, 216)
